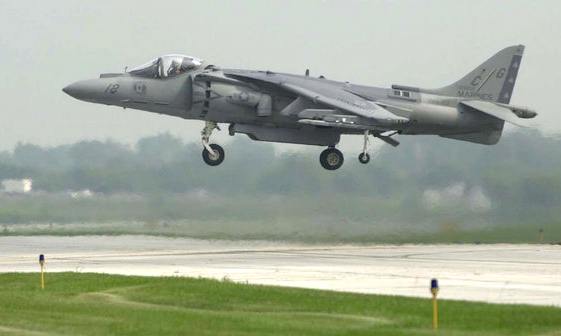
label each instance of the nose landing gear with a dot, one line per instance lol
(215, 157)
(213, 154)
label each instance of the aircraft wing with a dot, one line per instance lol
(494, 110)
(327, 94)
(344, 101)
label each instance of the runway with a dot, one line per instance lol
(528, 274)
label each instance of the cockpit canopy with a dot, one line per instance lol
(167, 66)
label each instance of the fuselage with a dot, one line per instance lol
(235, 103)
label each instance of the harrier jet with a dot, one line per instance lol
(302, 109)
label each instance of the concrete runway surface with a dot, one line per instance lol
(493, 273)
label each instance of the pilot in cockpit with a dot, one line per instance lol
(175, 69)
(167, 66)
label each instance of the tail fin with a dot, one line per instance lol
(493, 80)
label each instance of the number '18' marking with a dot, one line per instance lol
(112, 88)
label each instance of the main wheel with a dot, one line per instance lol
(213, 159)
(364, 158)
(331, 159)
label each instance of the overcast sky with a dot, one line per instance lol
(45, 45)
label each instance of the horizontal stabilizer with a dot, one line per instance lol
(521, 112)
(494, 110)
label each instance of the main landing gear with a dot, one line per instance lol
(332, 158)
(213, 154)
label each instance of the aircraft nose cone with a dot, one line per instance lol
(68, 90)
(75, 90)
(88, 90)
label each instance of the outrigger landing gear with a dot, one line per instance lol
(213, 154)
(364, 157)
(331, 158)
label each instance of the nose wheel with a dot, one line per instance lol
(215, 157)
(331, 159)
(213, 154)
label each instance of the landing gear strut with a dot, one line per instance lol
(364, 157)
(331, 158)
(213, 154)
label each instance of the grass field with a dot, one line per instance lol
(92, 304)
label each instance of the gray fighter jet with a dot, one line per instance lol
(301, 109)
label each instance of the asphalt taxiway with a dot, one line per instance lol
(492, 273)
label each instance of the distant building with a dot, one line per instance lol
(22, 186)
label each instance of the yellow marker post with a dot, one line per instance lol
(42, 263)
(434, 291)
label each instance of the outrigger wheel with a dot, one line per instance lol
(331, 159)
(364, 158)
(213, 159)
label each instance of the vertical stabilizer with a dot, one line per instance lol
(492, 81)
